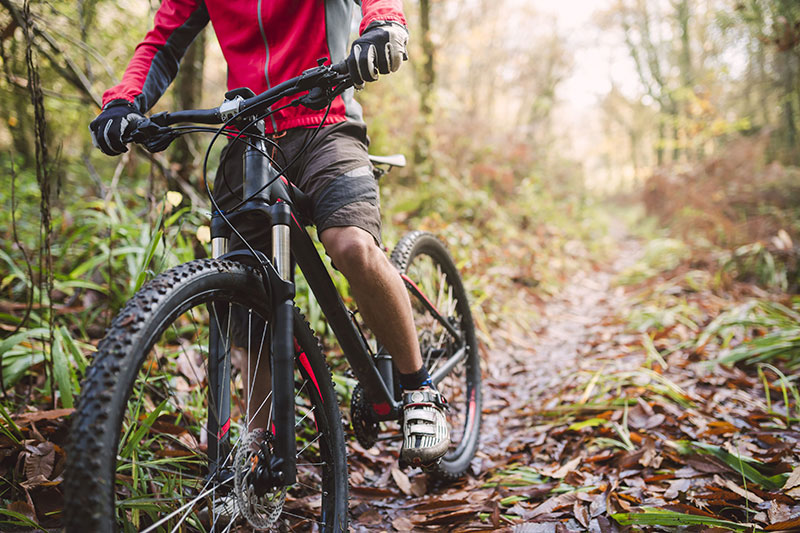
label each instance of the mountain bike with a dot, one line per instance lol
(162, 437)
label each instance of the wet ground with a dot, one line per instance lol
(522, 363)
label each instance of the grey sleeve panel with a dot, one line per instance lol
(338, 17)
(167, 60)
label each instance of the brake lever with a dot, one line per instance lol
(153, 137)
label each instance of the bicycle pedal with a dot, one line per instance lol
(425, 467)
(430, 467)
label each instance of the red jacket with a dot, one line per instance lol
(265, 42)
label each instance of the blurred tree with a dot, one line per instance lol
(426, 72)
(188, 93)
(772, 29)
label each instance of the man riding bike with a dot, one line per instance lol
(265, 43)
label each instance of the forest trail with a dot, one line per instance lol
(522, 365)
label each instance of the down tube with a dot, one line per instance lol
(338, 316)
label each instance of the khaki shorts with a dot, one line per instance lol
(334, 172)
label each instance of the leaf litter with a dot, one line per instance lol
(597, 421)
(600, 413)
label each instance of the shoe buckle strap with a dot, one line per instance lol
(424, 396)
(416, 413)
(421, 429)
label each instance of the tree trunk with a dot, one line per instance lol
(787, 78)
(423, 161)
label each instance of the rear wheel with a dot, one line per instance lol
(447, 341)
(143, 435)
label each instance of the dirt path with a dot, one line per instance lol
(524, 361)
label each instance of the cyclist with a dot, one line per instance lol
(264, 43)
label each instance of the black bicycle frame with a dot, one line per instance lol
(270, 197)
(274, 203)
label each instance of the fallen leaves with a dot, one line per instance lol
(593, 423)
(31, 464)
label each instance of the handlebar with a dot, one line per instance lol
(328, 81)
(323, 83)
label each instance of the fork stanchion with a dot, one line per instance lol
(283, 343)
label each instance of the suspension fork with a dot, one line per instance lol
(283, 342)
(280, 284)
(219, 365)
(264, 192)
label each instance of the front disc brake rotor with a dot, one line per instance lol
(262, 512)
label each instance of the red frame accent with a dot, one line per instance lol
(307, 367)
(224, 429)
(382, 408)
(409, 281)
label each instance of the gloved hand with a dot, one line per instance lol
(380, 50)
(118, 118)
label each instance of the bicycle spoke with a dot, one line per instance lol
(309, 444)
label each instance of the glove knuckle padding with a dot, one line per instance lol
(365, 62)
(380, 50)
(111, 125)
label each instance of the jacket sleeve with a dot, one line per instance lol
(381, 10)
(155, 62)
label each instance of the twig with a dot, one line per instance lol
(69, 71)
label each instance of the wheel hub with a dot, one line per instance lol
(258, 480)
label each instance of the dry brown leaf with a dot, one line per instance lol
(190, 364)
(598, 505)
(535, 527)
(556, 502)
(560, 472)
(788, 525)
(371, 517)
(373, 492)
(676, 487)
(36, 416)
(23, 508)
(33, 482)
(402, 481)
(419, 486)
(402, 524)
(581, 514)
(39, 461)
(778, 512)
(793, 480)
(440, 505)
(727, 483)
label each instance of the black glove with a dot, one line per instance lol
(118, 118)
(153, 137)
(380, 50)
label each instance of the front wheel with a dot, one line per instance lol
(163, 438)
(447, 340)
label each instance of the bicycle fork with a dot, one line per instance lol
(262, 193)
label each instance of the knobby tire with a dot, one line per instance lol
(425, 261)
(112, 485)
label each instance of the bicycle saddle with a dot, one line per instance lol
(396, 160)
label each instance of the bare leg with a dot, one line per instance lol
(379, 292)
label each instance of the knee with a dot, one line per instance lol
(352, 250)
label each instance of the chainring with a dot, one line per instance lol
(365, 429)
(261, 512)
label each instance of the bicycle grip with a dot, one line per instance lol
(341, 68)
